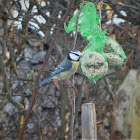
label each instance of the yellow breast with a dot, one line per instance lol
(67, 74)
(75, 65)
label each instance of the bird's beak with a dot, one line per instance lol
(80, 56)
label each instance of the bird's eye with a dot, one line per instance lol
(75, 54)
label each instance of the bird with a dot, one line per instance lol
(66, 68)
(32, 73)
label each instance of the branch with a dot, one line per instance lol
(40, 71)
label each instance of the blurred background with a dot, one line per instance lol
(27, 28)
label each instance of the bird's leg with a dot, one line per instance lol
(71, 84)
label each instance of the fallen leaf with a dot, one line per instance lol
(56, 83)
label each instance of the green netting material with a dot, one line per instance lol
(102, 51)
(88, 20)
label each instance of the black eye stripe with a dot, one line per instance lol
(75, 54)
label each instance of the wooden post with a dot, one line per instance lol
(89, 130)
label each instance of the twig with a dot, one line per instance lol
(40, 71)
(76, 32)
(21, 79)
(3, 44)
(6, 85)
(53, 102)
(73, 91)
(72, 112)
(59, 50)
(100, 16)
(109, 90)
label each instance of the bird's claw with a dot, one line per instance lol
(71, 84)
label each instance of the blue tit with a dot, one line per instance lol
(32, 73)
(65, 69)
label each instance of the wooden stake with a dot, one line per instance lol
(89, 130)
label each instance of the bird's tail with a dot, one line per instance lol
(44, 81)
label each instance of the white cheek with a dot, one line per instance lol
(74, 57)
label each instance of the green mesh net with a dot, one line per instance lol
(113, 52)
(102, 51)
(87, 23)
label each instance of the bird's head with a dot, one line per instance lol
(74, 55)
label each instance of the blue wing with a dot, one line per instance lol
(57, 70)
(61, 68)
